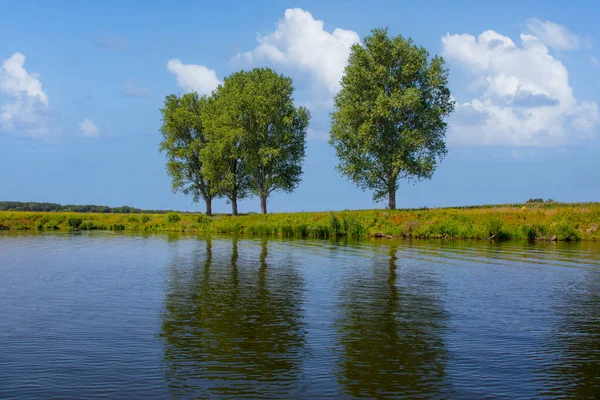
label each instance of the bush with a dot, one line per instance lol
(74, 222)
(494, 227)
(173, 218)
(51, 225)
(564, 231)
(202, 219)
(145, 219)
(132, 218)
(39, 224)
(117, 227)
(87, 225)
(335, 227)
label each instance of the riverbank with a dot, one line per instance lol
(543, 221)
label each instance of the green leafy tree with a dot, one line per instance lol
(183, 140)
(258, 136)
(224, 156)
(274, 131)
(388, 122)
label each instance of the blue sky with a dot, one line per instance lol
(81, 84)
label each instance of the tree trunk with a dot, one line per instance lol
(208, 202)
(234, 210)
(263, 204)
(392, 198)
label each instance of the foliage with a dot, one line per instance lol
(47, 207)
(555, 221)
(224, 155)
(274, 132)
(74, 222)
(388, 123)
(183, 140)
(256, 136)
(173, 218)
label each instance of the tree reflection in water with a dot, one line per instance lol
(574, 344)
(390, 334)
(233, 328)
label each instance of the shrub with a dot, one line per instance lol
(202, 219)
(132, 218)
(335, 227)
(39, 224)
(564, 231)
(494, 227)
(51, 225)
(145, 219)
(173, 218)
(117, 227)
(87, 225)
(74, 222)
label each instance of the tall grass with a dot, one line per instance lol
(545, 221)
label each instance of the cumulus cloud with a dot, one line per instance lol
(522, 94)
(302, 43)
(26, 112)
(88, 128)
(554, 35)
(193, 77)
(130, 88)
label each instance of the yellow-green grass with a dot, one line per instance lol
(545, 221)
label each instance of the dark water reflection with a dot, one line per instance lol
(230, 329)
(96, 315)
(391, 331)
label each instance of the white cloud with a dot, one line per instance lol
(594, 61)
(26, 113)
(522, 94)
(88, 128)
(130, 88)
(193, 77)
(554, 35)
(301, 42)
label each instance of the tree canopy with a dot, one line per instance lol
(257, 137)
(388, 122)
(183, 139)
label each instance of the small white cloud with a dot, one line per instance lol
(15, 80)
(26, 113)
(130, 88)
(88, 128)
(300, 42)
(554, 35)
(193, 77)
(594, 61)
(522, 94)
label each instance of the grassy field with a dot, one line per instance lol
(538, 221)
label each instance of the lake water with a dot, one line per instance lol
(121, 316)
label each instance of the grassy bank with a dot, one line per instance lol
(545, 221)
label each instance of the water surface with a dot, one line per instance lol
(122, 316)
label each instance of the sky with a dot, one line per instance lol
(81, 85)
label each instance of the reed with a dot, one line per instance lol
(532, 221)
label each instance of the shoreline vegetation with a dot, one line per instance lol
(550, 221)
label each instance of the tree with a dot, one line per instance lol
(224, 156)
(388, 122)
(183, 140)
(256, 128)
(275, 133)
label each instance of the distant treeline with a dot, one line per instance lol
(47, 207)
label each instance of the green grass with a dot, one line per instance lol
(539, 221)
